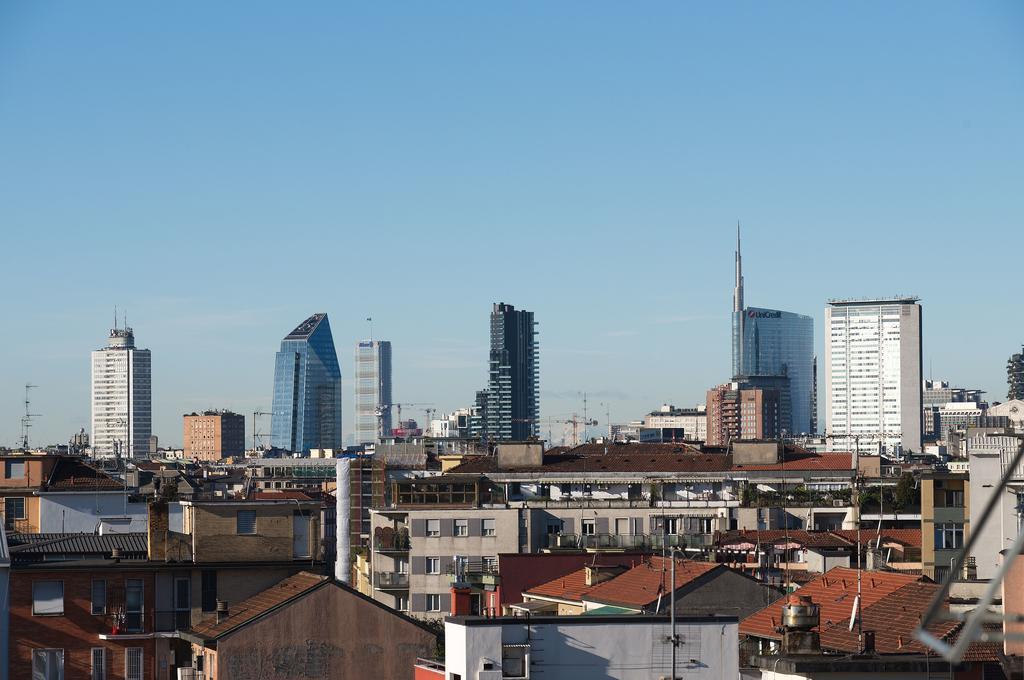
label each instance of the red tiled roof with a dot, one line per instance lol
(893, 618)
(74, 475)
(640, 586)
(833, 592)
(805, 461)
(909, 537)
(259, 604)
(811, 539)
(569, 587)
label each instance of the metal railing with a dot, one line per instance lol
(472, 567)
(627, 541)
(391, 579)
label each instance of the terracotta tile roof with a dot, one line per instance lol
(259, 604)
(893, 618)
(640, 586)
(811, 539)
(805, 461)
(834, 592)
(74, 475)
(570, 587)
(909, 537)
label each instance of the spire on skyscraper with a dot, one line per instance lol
(737, 293)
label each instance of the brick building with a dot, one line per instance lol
(739, 412)
(212, 435)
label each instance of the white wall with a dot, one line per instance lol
(999, 530)
(572, 648)
(81, 512)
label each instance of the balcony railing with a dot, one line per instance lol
(483, 571)
(391, 579)
(627, 541)
(398, 542)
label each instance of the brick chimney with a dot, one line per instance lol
(156, 530)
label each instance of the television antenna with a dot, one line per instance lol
(26, 420)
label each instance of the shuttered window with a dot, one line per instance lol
(245, 522)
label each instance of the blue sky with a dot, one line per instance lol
(223, 170)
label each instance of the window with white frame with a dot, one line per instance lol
(949, 536)
(489, 528)
(588, 527)
(98, 667)
(47, 664)
(133, 663)
(433, 565)
(462, 527)
(433, 527)
(402, 603)
(48, 598)
(433, 602)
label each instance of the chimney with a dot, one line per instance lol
(115, 554)
(222, 610)
(342, 523)
(800, 616)
(869, 642)
(156, 530)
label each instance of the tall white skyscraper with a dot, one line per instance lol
(122, 408)
(873, 374)
(373, 390)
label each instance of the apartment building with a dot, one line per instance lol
(213, 435)
(21, 476)
(738, 411)
(945, 521)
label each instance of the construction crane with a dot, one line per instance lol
(574, 420)
(385, 408)
(26, 420)
(255, 434)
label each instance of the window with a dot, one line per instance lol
(48, 599)
(489, 527)
(209, 588)
(588, 527)
(14, 508)
(99, 664)
(99, 596)
(513, 662)
(402, 603)
(433, 565)
(490, 565)
(47, 664)
(949, 536)
(433, 602)
(954, 499)
(462, 527)
(133, 605)
(14, 469)
(402, 566)
(182, 603)
(433, 527)
(245, 522)
(133, 663)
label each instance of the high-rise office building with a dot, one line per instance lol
(1015, 376)
(936, 394)
(512, 410)
(771, 342)
(873, 374)
(373, 391)
(122, 404)
(307, 389)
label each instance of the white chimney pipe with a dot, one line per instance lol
(342, 523)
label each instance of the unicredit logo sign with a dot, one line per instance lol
(764, 315)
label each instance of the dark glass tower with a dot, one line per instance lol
(513, 388)
(307, 389)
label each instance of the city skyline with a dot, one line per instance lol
(863, 147)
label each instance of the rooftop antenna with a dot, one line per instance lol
(115, 317)
(370, 320)
(26, 420)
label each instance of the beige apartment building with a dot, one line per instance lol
(213, 435)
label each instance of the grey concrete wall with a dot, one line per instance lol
(726, 593)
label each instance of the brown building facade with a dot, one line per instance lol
(738, 413)
(213, 435)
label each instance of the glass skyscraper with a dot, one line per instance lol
(777, 343)
(511, 403)
(373, 390)
(307, 389)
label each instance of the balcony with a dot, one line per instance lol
(652, 542)
(391, 580)
(479, 572)
(391, 542)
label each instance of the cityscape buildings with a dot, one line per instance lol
(772, 342)
(373, 391)
(873, 374)
(739, 411)
(212, 435)
(1015, 376)
(936, 394)
(307, 389)
(512, 400)
(122, 409)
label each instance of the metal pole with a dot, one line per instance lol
(672, 610)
